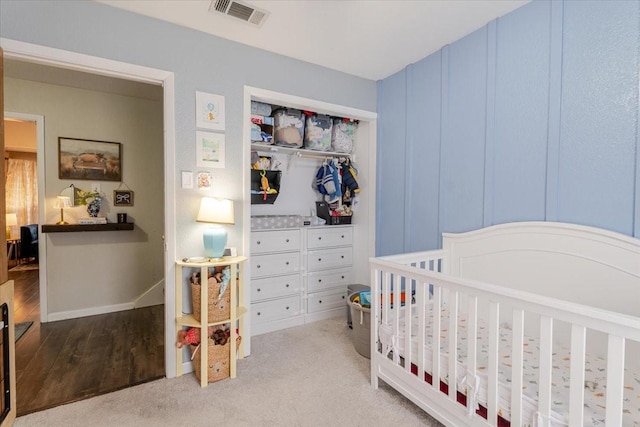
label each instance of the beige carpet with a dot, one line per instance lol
(304, 376)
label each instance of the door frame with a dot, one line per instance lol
(43, 55)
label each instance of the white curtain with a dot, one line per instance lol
(22, 191)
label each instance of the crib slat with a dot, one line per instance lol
(576, 397)
(615, 380)
(421, 304)
(472, 357)
(492, 368)
(407, 321)
(453, 344)
(544, 388)
(517, 367)
(435, 341)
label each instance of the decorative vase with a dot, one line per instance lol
(93, 208)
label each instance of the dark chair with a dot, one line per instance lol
(29, 241)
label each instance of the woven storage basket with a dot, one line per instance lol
(219, 309)
(218, 366)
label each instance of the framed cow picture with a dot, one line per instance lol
(89, 159)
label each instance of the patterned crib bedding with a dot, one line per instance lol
(595, 378)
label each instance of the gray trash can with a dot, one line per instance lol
(361, 334)
(352, 289)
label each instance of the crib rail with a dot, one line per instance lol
(452, 388)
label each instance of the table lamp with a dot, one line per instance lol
(215, 211)
(62, 203)
(12, 221)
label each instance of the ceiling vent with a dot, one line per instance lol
(240, 10)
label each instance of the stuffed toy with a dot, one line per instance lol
(191, 336)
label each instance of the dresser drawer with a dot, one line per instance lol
(268, 311)
(328, 237)
(329, 258)
(326, 301)
(275, 264)
(275, 241)
(275, 287)
(321, 280)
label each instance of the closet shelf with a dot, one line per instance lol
(298, 152)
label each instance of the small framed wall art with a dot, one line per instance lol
(209, 111)
(122, 198)
(210, 149)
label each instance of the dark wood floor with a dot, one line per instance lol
(68, 360)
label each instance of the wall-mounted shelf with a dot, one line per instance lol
(67, 228)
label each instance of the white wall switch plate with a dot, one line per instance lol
(187, 179)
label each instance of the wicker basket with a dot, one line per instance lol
(219, 308)
(218, 361)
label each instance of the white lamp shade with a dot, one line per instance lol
(63, 202)
(11, 220)
(217, 211)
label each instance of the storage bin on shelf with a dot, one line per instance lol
(343, 134)
(288, 127)
(317, 132)
(217, 360)
(219, 305)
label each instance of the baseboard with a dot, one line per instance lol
(153, 296)
(74, 314)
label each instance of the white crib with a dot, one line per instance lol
(539, 324)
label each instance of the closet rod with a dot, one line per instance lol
(311, 156)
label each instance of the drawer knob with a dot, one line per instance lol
(258, 289)
(319, 301)
(342, 236)
(319, 238)
(342, 256)
(258, 313)
(319, 280)
(287, 240)
(258, 266)
(342, 296)
(258, 242)
(287, 285)
(319, 259)
(342, 277)
(287, 263)
(287, 307)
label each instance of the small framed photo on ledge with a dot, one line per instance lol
(122, 198)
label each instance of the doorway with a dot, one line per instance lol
(45, 56)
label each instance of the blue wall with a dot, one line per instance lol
(532, 117)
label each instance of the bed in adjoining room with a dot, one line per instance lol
(531, 323)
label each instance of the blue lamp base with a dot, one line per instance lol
(215, 240)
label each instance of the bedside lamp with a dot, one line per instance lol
(11, 221)
(215, 211)
(62, 203)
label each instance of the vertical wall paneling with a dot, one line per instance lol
(445, 138)
(423, 154)
(521, 114)
(390, 164)
(466, 91)
(555, 103)
(487, 215)
(535, 116)
(596, 172)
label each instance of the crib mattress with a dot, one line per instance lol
(595, 378)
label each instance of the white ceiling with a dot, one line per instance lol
(367, 38)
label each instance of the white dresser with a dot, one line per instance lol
(299, 275)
